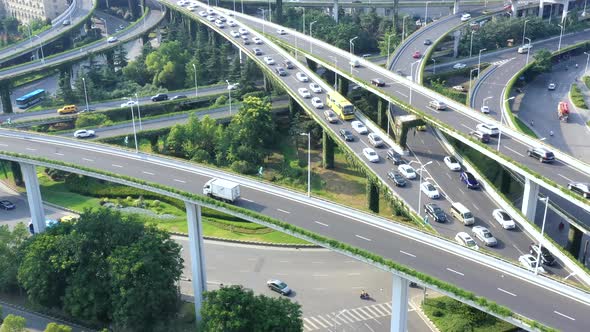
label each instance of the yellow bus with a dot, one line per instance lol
(340, 105)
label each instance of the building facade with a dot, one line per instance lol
(27, 10)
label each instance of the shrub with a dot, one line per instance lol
(242, 166)
(92, 120)
(577, 96)
(221, 100)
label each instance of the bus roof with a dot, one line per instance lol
(31, 94)
(338, 97)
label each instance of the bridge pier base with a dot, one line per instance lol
(34, 196)
(382, 106)
(399, 304)
(342, 86)
(456, 7)
(335, 10)
(195, 236)
(5, 97)
(327, 151)
(529, 199)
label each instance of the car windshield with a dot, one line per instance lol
(505, 216)
(430, 187)
(470, 177)
(487, 234)
(467, 215)
(437, 209)
(281, 285)
(398, 176)
(409, 170)
(372, 153)
(470, 242)
(453, 160)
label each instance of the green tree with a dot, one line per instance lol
(542, 61)
(54, 327)
(10, 243)
(166, 64)
(92, 120)
(235, 308)
(13, 323)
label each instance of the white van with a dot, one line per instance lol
(354, 63)
(524, 48)
(461, 213)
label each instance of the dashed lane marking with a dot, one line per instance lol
(362, 237)
(281, 210)
(86, 159)
(569, 180)
(407, 253)
(563, 315)
(507, 292)
(181, 181)
(456, 272)
(518, 153)
(321, 223)
(118, 166)
(148, 173)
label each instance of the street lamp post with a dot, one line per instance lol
(143, 10)
(308, 162)
(421, 170)
(560, 35)
(303, 19)
(471, 43)
(335, 74)
(483, 104)
(426, 13)
(528, 50)
(269, 12)
(311, 37)
(434, 66)
(479, 61)
(471, 78)
(138, 112)
(229, 88)
(404, 27)
(30, 34)
(351, 42)
(242, 6)
(587, 59)
(263, 18)
(41, 45)
(133, 122)
(106, 27)
(196, 87)
(388, 43)
(546, 199)
(584, 11)
(501, 123)
(85, 94)
(524, 31)
(412, 79)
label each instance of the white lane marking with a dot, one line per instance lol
(467, 127)
(403, 94)
(148, 173)
(475, 206)
(449, 176)
(310, 323)
(362, 237)
(287, 212)
(361, 314)
(353, 274)
(461, 190)
(507, 292)
(86, 159)
(325, 320)
(321, 223)
(283, 261)
(2, 144)
(369, 327)
(518, 153)
(115, 165)
(31, 149)
(438, 162)
(407, 253)
(247, 200)
(59, 154)
(566, 316)
(319, 322)
(456, 272)
(317, 262)
(181, 181)
(569, 180)
(319, 275)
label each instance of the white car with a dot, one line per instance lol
(243, 31)
(269, 60)
(234, 34)
(359, 127)
(192, 8)
(211, 18)
(530, 263)
(551, 86)
(375, 140)
(488, 128)
(257, 40)
(465, 17)
(459, 66)
(210, 11)
(129, 103)
(112, 39)
(182, 3)
(452, 163)
(83, 133)
(303, 92)
(315, 87)
(485, 109)
(219, 24)
(429, 189)
(407, 171)
(484, 235)
(317, 102)
(203, 13)
(371, 155)
(231, 23)
(281, 31)
(332, 118)
(464, 239)
(302, 77)
(504, 219)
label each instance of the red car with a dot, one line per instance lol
(416, 55)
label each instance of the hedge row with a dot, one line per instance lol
(577, 97)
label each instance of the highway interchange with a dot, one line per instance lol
(436, 155)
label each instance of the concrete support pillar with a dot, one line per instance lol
(335, 10)
(342, 86)
(529, 199)
(327, 151)
(381, 113)
(456, 39)
(399, 304)
(566, 6)
(267, 83)
(312, 65)
(5, 96)
(34, 196)
(456, 7)
(514, 4)
(574, 240)
(292, 106)
(195, 236)
(541, 5)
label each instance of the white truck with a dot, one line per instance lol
(222, 189)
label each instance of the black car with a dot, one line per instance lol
(580, 188)
(6, 205)
(546, 256)
(435, 212)
(395, 157)
(378, 82)
(178, 97)
(397, 178)
(482, 137)
(346, 134)
(427, 42)
(288, 64)
(469, 180)
(159, 97)
(542, 154)
(281, 71)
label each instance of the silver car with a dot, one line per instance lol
(484, 235)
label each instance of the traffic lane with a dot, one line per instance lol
(388, 244)
(153, 17)
(49, 84)
(21, 214)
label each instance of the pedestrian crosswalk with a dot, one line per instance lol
(501, 62)
(346, 316)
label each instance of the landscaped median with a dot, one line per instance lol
(357, 253)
